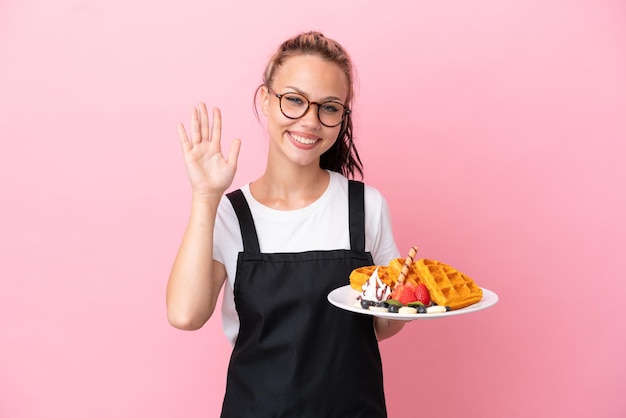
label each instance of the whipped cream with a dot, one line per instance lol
(374, 289)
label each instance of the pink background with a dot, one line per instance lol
(496, 129)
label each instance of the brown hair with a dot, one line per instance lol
(342, 157)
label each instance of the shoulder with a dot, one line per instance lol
(226, 233)
(225, 209)
(339, 181)
(374, 199)
(373, 195)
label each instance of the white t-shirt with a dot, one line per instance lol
(322, 225)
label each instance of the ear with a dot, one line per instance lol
(264, 100)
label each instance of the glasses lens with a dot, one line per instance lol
(331, 113)
(294, 106)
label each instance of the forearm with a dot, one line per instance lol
(195, 279)
(386, 328)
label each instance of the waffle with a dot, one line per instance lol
(395, 267)
(362, 274)
(446, 285)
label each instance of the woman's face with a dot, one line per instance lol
(302, 141)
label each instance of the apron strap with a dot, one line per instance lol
(246, 223)
(357, 215)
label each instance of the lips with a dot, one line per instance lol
(303, 140)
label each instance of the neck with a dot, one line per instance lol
(289, 188)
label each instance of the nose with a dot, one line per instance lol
(311, 118)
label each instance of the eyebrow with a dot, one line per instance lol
(324, 99)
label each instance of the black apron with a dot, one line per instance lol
(296, 355)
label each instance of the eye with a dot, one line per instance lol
(331, 107)
(294, 100)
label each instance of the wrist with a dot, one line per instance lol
(212, 198)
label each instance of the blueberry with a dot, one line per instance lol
(421, 309)
(394, 308)
(365, 304)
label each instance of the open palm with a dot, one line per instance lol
(209, 172)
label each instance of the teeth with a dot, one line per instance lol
(302, 140)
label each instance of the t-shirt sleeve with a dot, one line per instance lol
(379, 238)
(226, 235)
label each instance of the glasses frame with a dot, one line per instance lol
(280, 96)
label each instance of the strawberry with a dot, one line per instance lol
(422, 295)
(404, 293)
(396, 291)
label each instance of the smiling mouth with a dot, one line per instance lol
(303, 140)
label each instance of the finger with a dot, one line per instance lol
(196, 136)
(216, 129)
(233, 153)
(204, 122)
(182, 136)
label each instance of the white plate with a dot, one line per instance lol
(345, 297)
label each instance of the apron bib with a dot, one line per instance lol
(296, 355)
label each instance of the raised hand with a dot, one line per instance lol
(209, 172)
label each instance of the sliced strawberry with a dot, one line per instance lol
(422, 295)
(404, 293)
(396, 290)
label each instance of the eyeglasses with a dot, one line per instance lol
(295, 105)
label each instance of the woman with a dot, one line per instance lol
(282, 242)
